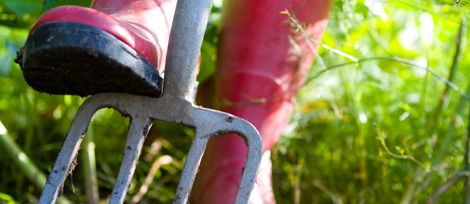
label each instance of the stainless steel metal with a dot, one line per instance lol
(142, 110)
(175, 105)
(138, 130)
(189, 25)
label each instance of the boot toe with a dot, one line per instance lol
(82, 51)
(78, 59)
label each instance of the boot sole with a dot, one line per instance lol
(78, 59)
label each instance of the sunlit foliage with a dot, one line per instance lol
(376, 131)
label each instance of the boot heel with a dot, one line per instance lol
(78, 59)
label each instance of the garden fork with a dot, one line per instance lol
(175, 105)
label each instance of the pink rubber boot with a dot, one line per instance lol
(259, 73)
(114, 46)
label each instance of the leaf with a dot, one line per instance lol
(7, 198)
(398, 148)
(208, 57)
(50, 4)
(23, 7)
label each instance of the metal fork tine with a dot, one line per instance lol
(212, 123)
(190, 168)
(68, 153)
(138, 130)
(253, 160)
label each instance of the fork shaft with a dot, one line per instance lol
(187, 33)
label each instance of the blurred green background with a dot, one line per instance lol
(390, 127)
